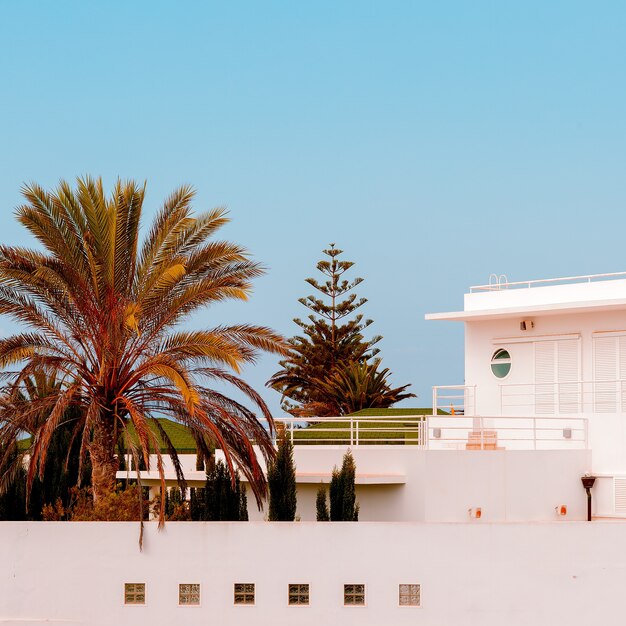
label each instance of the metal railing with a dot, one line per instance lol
(563, 398)
(454, 399)
(507, 433)
(359, 430)
(441, 432)
(496, 286)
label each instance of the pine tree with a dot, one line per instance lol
(281, 480)
(331, 338)
(320, 504)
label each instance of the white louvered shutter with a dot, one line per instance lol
(621, 346)
(619, 485)
(605, 369)
(544, 377)
(557, 376)
(568, 375)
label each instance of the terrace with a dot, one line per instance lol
(440, 430)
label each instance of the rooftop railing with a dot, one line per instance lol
(357, 430)
(499, 284)
(441, 432)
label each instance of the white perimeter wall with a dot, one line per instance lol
(472, 573)
(441, 485)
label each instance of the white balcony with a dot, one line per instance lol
(566, 398)
(454, 430)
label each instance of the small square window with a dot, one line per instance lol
(354, 595)
(410, 595)
(189, 594)
(244, 593)
(299, 595)
(134, 593)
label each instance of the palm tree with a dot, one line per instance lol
(103, 311)
(354, 386)
(61, 470)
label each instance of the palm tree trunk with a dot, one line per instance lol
(104, 462)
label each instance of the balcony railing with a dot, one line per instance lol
(441, 432)
(507, 433)
(454, 399)
(566, 398)
(352, 430)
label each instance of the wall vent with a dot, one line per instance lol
(619, 485)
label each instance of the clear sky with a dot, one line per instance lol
(435, 142)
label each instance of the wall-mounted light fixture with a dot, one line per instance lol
(588, 482)
(567, 433)
(526, 325)
(436, 433)
(561, 509)
(475, 513)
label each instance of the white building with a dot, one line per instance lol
(553, 351)
(472, 514)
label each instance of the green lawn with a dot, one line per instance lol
(179, 436)
(385, 432)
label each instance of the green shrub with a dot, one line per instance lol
(222, 499)
(320, 504)
(281, 480)
(343, 504)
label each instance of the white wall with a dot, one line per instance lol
(607, 433)
(441, 486)
(473, 573)
(405, 483)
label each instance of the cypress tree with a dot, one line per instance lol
(343, 504)
(281, 480)
(336, 496)
(320, 504)
(350, 508)
(222, 500)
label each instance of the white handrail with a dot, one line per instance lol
(543, 281)
(452, 431)
(564, 398)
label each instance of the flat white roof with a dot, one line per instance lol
(543, 309)
(197, 478)
(545, 297)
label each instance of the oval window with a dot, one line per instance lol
(501, 363)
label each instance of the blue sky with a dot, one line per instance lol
(434, 142)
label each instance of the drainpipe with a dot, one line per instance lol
(588, 482)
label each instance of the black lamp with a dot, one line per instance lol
(588, 482)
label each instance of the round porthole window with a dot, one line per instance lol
(501, 363)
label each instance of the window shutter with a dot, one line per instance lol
(622, 371)
(568, 376)
(605, 366)
(557, 377)
(619, 485)
(544, 377)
